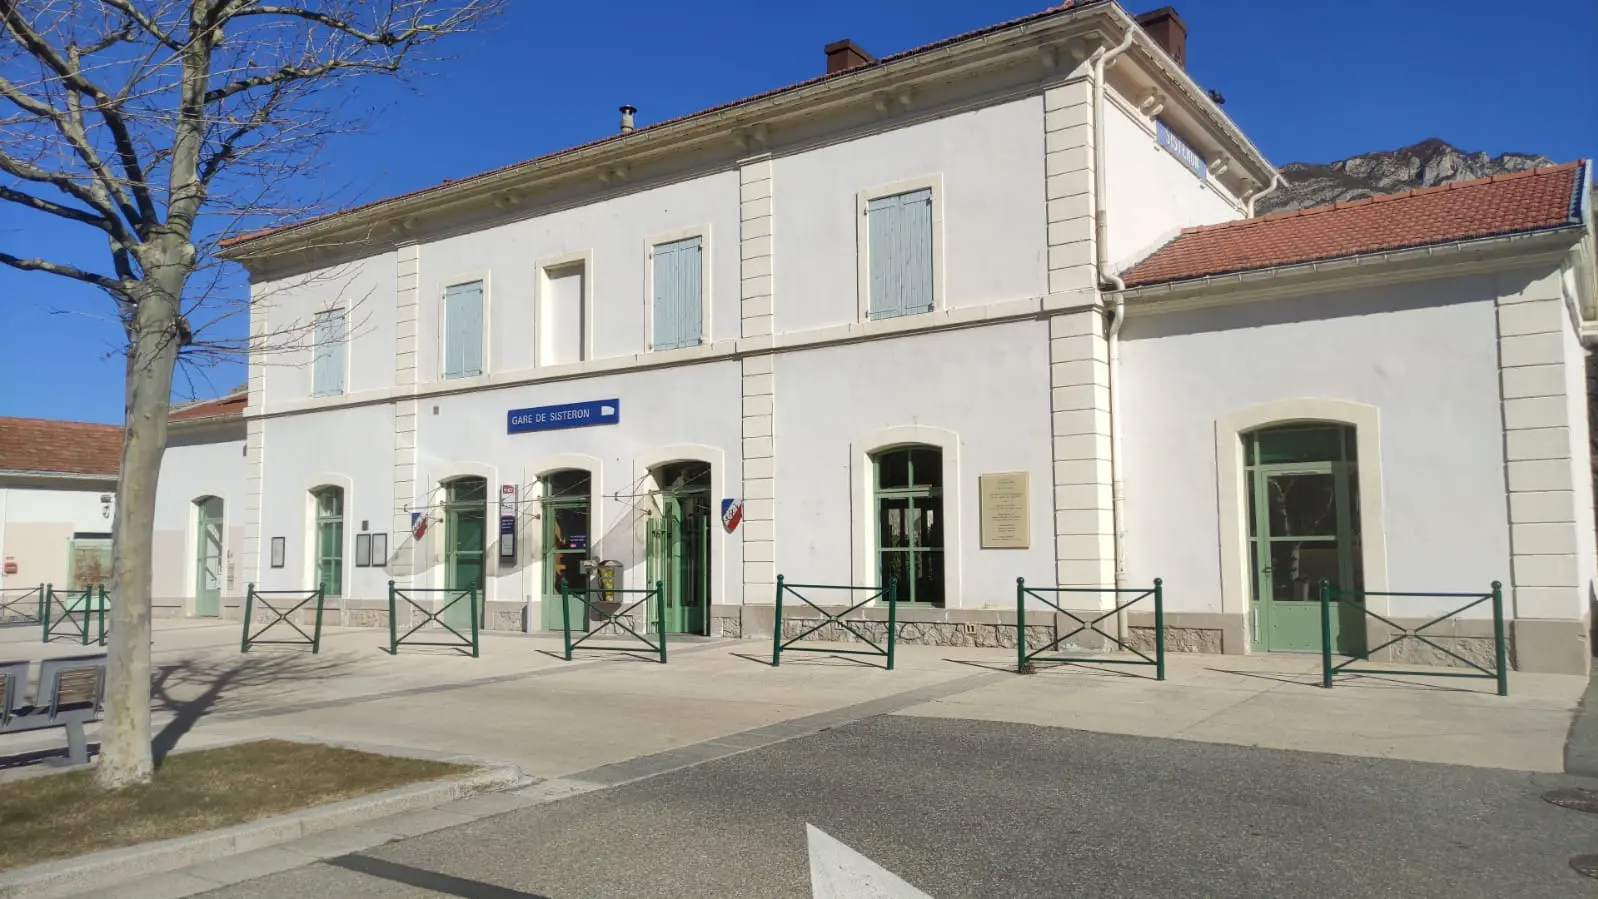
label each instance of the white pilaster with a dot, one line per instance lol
(759, 381)
(406, 300)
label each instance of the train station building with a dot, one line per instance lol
(995, 307)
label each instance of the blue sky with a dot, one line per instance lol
(1308, 80)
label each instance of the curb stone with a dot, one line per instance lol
(1581, 744)
(114, 867)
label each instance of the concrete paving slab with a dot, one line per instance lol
(425, 821)
(175, 885)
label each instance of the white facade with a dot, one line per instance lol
(39, 521)
(797, 385)
(204, 465)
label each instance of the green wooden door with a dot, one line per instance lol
(679, 557)
(208, 556)
(1303, 528)
(465, 539)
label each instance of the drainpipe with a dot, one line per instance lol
(1276, 181)
(1101, 60)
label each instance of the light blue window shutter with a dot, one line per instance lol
(678, 314)
(463, 330)
(900, 249)
(321, 354)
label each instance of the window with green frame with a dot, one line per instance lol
(908, 484)
(330, 539)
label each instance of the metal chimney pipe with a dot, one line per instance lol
(627, 113)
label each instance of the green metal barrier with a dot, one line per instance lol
(1356, 599)
(432, 616)
(1137, 594)
(75, 616)
(22, 605)
(282, 614)
(780, 646)
(617, 617)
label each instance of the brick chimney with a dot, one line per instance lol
(845, 55)
(1168, 30)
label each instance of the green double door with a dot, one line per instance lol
(1303, 528)
(679, 557)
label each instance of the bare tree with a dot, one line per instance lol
(165, 125)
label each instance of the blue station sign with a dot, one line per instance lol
(1182, 150)
(567, 415)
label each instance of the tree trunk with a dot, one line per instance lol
(154, 339)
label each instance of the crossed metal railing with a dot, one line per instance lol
(75, 616)
(1356, 599)
(432, 616)
(886, 592)
(21, 605)
(1023, 657)
(619, 617)
(275, 604)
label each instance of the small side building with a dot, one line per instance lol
(58, 482)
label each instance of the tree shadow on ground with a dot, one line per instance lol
(192, 689)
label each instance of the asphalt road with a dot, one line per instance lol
(963, 808)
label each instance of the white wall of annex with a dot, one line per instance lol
(990, 386)
(1152, 196)
(198, 465)
(351, 447)
(697, 409)
(994, 227)
(617, 232)
(38, 527)
(366, 287)
(1581, 474)
(1424, 354)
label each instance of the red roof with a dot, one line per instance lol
(66, 447)
(1052, 10)
(1536, 200)
(227, 405)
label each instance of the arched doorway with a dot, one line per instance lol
(1302, 483)
(908, 488)
(465, 543)
(679, 545)
(208, 556)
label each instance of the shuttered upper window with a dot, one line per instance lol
(678, 310)
(328, 339)
(463, 330)
(899, 235)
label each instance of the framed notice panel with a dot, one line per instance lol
(1006, 515)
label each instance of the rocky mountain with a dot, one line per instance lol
(1426, 164)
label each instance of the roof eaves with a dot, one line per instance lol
(234, 247)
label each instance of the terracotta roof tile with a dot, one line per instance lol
(237, 240)
(67, 447)
(78, 447)
(1521, 202)
(231, 405)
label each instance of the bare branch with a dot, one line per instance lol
(57, 209)
(109, 285)
(145, 22)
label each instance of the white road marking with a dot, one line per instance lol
(838, 872)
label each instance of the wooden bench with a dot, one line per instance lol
(71, 693)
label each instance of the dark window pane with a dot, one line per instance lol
(926, 467)
(1350, 444)
(929, 577)
(566, 484)
(571, 527)
(1302, 505)
(1249, 453)
(929, 522)
(1353, 501)
(467, 490)
(895, 574)
(893, 523)
(893, 469)
(1297, 567)
(1300, 444)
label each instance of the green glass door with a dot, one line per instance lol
(208, 557)
(679, 557)
(567, 542)
(1303, 528)
(465, 539)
